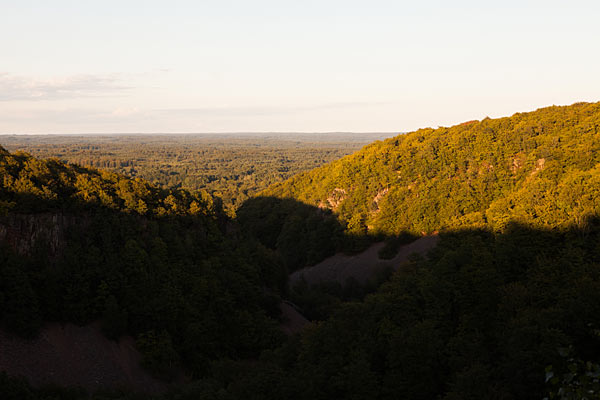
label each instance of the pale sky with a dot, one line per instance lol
(107, 66)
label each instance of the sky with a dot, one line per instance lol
(86, 66)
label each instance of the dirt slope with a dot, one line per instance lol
(69, 355)
(362, 266)
(293, 321)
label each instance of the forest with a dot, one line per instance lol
(507, 305)
(232, 167)
(539, 169)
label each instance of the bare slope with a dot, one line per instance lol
(73, 356)
(341, 267)
(293, 322)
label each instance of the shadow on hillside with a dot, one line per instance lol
(489, 305)
(195, 292)
(305, 236)
(180, 285)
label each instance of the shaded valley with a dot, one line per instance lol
(450, 263)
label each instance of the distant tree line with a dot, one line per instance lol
(513, 282)
(230, 168)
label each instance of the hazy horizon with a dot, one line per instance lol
(283, 135)
(281, 66)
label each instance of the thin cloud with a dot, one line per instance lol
(22, 88)
(133, 118)
(257, 111)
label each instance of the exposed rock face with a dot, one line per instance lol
(23, 232)
(337, 196)
(378, 198)
(518, 162)
(539, 164)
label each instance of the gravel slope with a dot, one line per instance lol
(362, 266)
(73, 356)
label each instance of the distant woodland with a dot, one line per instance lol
(507, 305)
(231, 167)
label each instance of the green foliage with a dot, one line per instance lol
(480, 318)
(32, 185)
(19, 309)
(514, 277)
(393, 244)
(114, 318)
(159, 355)
(301, 235)
(463, 324)
(85, 250)
(541, 168)
(232, 168)
(577, 379)
(5, 207)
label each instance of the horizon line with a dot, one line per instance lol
(205, 133)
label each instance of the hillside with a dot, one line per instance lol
(232, 167)
(33, 185)
(511, 288)
(80, 245)
(540, 168)
(508, 296)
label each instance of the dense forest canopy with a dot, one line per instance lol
(509, 298)
(512, 284)
(232, 167)
(33, 185)
(539, 168)
(82, 244)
